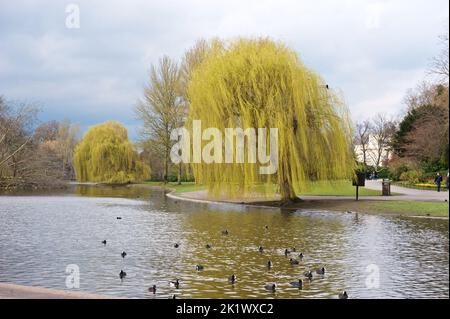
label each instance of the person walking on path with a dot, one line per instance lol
(438, 181)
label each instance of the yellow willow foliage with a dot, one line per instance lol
(258, 83)
(106, 155)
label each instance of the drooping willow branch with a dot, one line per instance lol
(106, 155)
(257, 83)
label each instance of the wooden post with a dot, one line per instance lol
(357, 188)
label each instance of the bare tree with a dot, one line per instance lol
(382, 132)
(66, 140)
(47, 131)
(16, 120)
(423, 94)
(162, 108)
(32, 157)
(361, 138)
(439, 64)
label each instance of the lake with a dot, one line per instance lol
(369, 256)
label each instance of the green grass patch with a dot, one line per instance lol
(336, 188)
(412, 207)
(184, 187)
(339, 188)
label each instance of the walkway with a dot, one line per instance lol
(410, 193)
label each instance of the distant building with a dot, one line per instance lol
(372, 153)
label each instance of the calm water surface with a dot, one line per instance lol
(41, 234)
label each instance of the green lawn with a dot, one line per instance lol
(339, 188)
(411, 207)
(184, 187)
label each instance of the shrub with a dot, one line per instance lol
(412, 176)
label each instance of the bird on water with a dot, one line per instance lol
(343, 295)
(298, 284)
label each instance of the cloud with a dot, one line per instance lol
(371, 50)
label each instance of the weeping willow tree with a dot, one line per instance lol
(106, 155)
(258, 83)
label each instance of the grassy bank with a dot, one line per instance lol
(381, 207)
(338, 188)
(391, 207)
(184, 187)
(411, 208)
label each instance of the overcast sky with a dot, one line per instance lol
(371, 50)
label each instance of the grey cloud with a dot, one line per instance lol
(371, 50)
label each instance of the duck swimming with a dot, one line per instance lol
(104, 242)
(300, 256)
(343, 295)
(286, 252)
(123, 254)
(176, 245)
(208, 246)
(298, 284)
(270, 287)
(232, 278)
(122, 274)
(320, 271)
(309, 275)
(152, 289)
(175, 284)
(260, 249)
(225, 232)
(293, 261)
(199, 267)
(269, 264)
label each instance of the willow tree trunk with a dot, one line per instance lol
(287, 194)
(286, 191)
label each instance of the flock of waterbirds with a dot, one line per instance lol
(233, 278)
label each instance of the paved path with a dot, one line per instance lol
(410, 193)
(13, 291)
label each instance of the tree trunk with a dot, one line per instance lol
(288, 196)
(364, 155)
(166, 169)
(179, 174)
